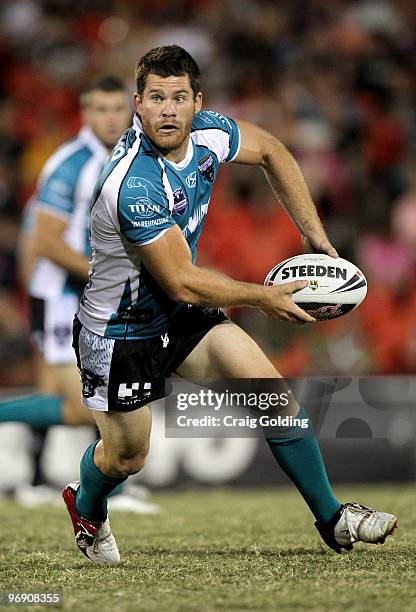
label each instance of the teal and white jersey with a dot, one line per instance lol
(139, 196)
(65, 189)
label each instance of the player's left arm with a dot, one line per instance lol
(258, 147)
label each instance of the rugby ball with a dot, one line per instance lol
(336, 286)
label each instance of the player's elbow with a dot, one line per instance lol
(179, 292)
(179, 286)
(272, 148)
(185, 289)
(45, 245)
(173, 287)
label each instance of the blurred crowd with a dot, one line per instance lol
(335, 81)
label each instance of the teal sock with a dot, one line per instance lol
(119, 489)
(298, 454)
(95, 487)
(38, 410)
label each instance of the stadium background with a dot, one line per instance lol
(336, 83)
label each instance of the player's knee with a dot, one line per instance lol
(128, 465)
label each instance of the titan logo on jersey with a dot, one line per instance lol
(143, 205)
(135, 181)
(145, 208)
(206, 167)
(180, 203)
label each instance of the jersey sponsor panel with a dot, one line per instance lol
(144, 210)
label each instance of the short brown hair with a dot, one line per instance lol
(167, 61)
(104, 83)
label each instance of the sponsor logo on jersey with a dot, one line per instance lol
(120, 148)
(138, 222)
(118, 152)
(143, 205)
(137, 181)
(145, 208)
(206, 167)
(180, 203)
(191, 180)
(312, 270)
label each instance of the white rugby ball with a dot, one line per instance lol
(336, 286)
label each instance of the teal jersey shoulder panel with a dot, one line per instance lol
(211, 120)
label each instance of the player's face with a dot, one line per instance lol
(108, 114)
(166, 108)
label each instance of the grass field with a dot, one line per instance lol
(216, 550)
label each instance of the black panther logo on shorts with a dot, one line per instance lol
(90, 382)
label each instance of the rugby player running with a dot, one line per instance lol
(149, 311)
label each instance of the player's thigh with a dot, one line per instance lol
(125, 434)
(227, 351)
(45, 379)
(68, 385)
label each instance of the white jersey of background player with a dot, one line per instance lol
(53, 256)
(53, 253)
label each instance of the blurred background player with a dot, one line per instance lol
(53, 254)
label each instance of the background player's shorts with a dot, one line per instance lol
(123, 375)
(51, 327)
